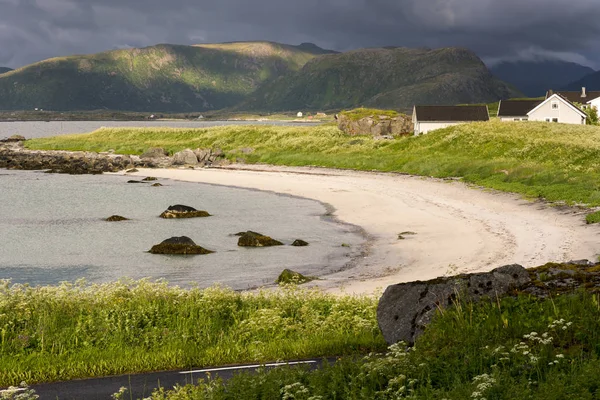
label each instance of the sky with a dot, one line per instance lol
(33, 30)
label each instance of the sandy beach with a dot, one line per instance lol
(457, 228)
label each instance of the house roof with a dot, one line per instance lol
(452, 113)
(575, 97)
(561, 98)
(516, 108)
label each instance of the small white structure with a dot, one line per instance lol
(299, 115)
(428, 118)
(557, 108)
(516, 110)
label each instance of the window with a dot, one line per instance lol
(517, 119)
(547, 119)
(554, 119)
(555, 105)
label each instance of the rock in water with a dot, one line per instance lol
(181, 211)
(179, 245)
(116, 218)
(293, 277)
(149, 179)
(299, 243)
(255, 239)
(406, 308)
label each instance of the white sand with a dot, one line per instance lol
(458, 228)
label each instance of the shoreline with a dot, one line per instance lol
(458, 228)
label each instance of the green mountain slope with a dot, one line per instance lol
(4, 69)
(157, 78)
(384, 78)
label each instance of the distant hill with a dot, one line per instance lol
(590, 82)
(382, 78)
(5, 69)
(534, 78)
(158, 78)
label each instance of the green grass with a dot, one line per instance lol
(593, 218)
(359, 113)
(515, 348)
(555, 162)
(74, 330)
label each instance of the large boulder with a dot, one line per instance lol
(181, 211)
(185, 157)
(288, 276)
(179, 245)
(376, 125)
(255, 239)
(406, 308)
(154, 152)
(116, 218)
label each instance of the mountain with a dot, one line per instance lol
(4, 69)
(384, 78)
(158, 78)
(534, 78)
(590, 82)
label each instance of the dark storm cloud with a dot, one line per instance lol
(31, 30)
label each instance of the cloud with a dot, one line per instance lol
(32, 30)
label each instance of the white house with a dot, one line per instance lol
(557, 108)
(428, 118)
(516, 110)
(583, 97)
(594, 103)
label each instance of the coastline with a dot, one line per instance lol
(458, 228)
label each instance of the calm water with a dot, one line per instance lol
(52, 230)
(37, 129)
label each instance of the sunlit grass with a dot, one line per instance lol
(75, 330)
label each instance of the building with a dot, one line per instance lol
(516, 110)
(557, 108)
(428, 118)
(583, 97)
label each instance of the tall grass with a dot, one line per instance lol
(516, 348)
(556, 162)
(77, 330)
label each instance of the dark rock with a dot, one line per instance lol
(149, 179)
(154, 152)
(299, 243)
(181, 211)
(156, 184)
(14, 138)
(134, 181)
(406, 308)
(132, 170)
(292, 277)
(255, 239)
(116, 218)
(179, 245)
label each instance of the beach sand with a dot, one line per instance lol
(457, 228)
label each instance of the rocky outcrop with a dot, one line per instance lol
(116, 218)
(14, 156)
(405, 309)
(13, 139)
(154, 152)
(299, 243)
(179, 245)
(181, 211)
(255, 239)
(185, 157)
(376, 125)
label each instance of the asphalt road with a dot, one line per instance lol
(142, 385)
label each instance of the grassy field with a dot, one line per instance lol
(76, 330)
(515, 348)
(555, 162)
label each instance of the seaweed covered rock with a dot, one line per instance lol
(179, 245)
(299, 243)
(292, 277)
(149, 179)
(181, 211)
(116, 218)
(255, 239)
(14, 138)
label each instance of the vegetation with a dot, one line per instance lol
(593, 218)
(555, 162)
(77, 330)
(394, 78)
(162, 78)
(360, 113)
(514, 348)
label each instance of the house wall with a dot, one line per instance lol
(565, 114)
(422, 128)
(511, 119)
(596, 103)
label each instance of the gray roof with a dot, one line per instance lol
(452, 113)
(516, 108)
